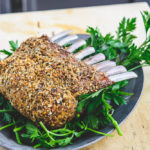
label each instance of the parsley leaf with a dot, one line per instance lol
(6, 52)
(13, 45)
(125, 29)
(146, 20)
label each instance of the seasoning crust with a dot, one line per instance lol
(42, 81)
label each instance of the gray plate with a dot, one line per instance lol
(121, 113)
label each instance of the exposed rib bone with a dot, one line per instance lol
(95, 59)
(114, 70)
(67, 39)
(123, 76)
(106, 69)
(76, 45)
(59, 35)
(104, 64)
(85, 52)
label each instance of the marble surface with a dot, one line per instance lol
(20, 26)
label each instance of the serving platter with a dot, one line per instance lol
(121, 113)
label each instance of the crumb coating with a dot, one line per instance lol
(42, 81)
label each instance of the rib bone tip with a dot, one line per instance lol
(123, 76)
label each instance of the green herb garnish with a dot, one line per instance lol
(13, 45)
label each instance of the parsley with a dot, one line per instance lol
(125, 29)
(96, 106)
(13, 45)
(6, 52)
(142, 53)
(121, 47)
(146, 21)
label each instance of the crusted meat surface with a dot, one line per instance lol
(42, 81)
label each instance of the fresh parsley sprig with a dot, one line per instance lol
(139, 54)
(98, 107)
(13, 45)
(121, 47)
(125, 29)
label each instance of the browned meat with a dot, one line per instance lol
(42, 81)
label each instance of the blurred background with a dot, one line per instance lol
(9, 6)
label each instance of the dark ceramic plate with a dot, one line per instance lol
(121, 113)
